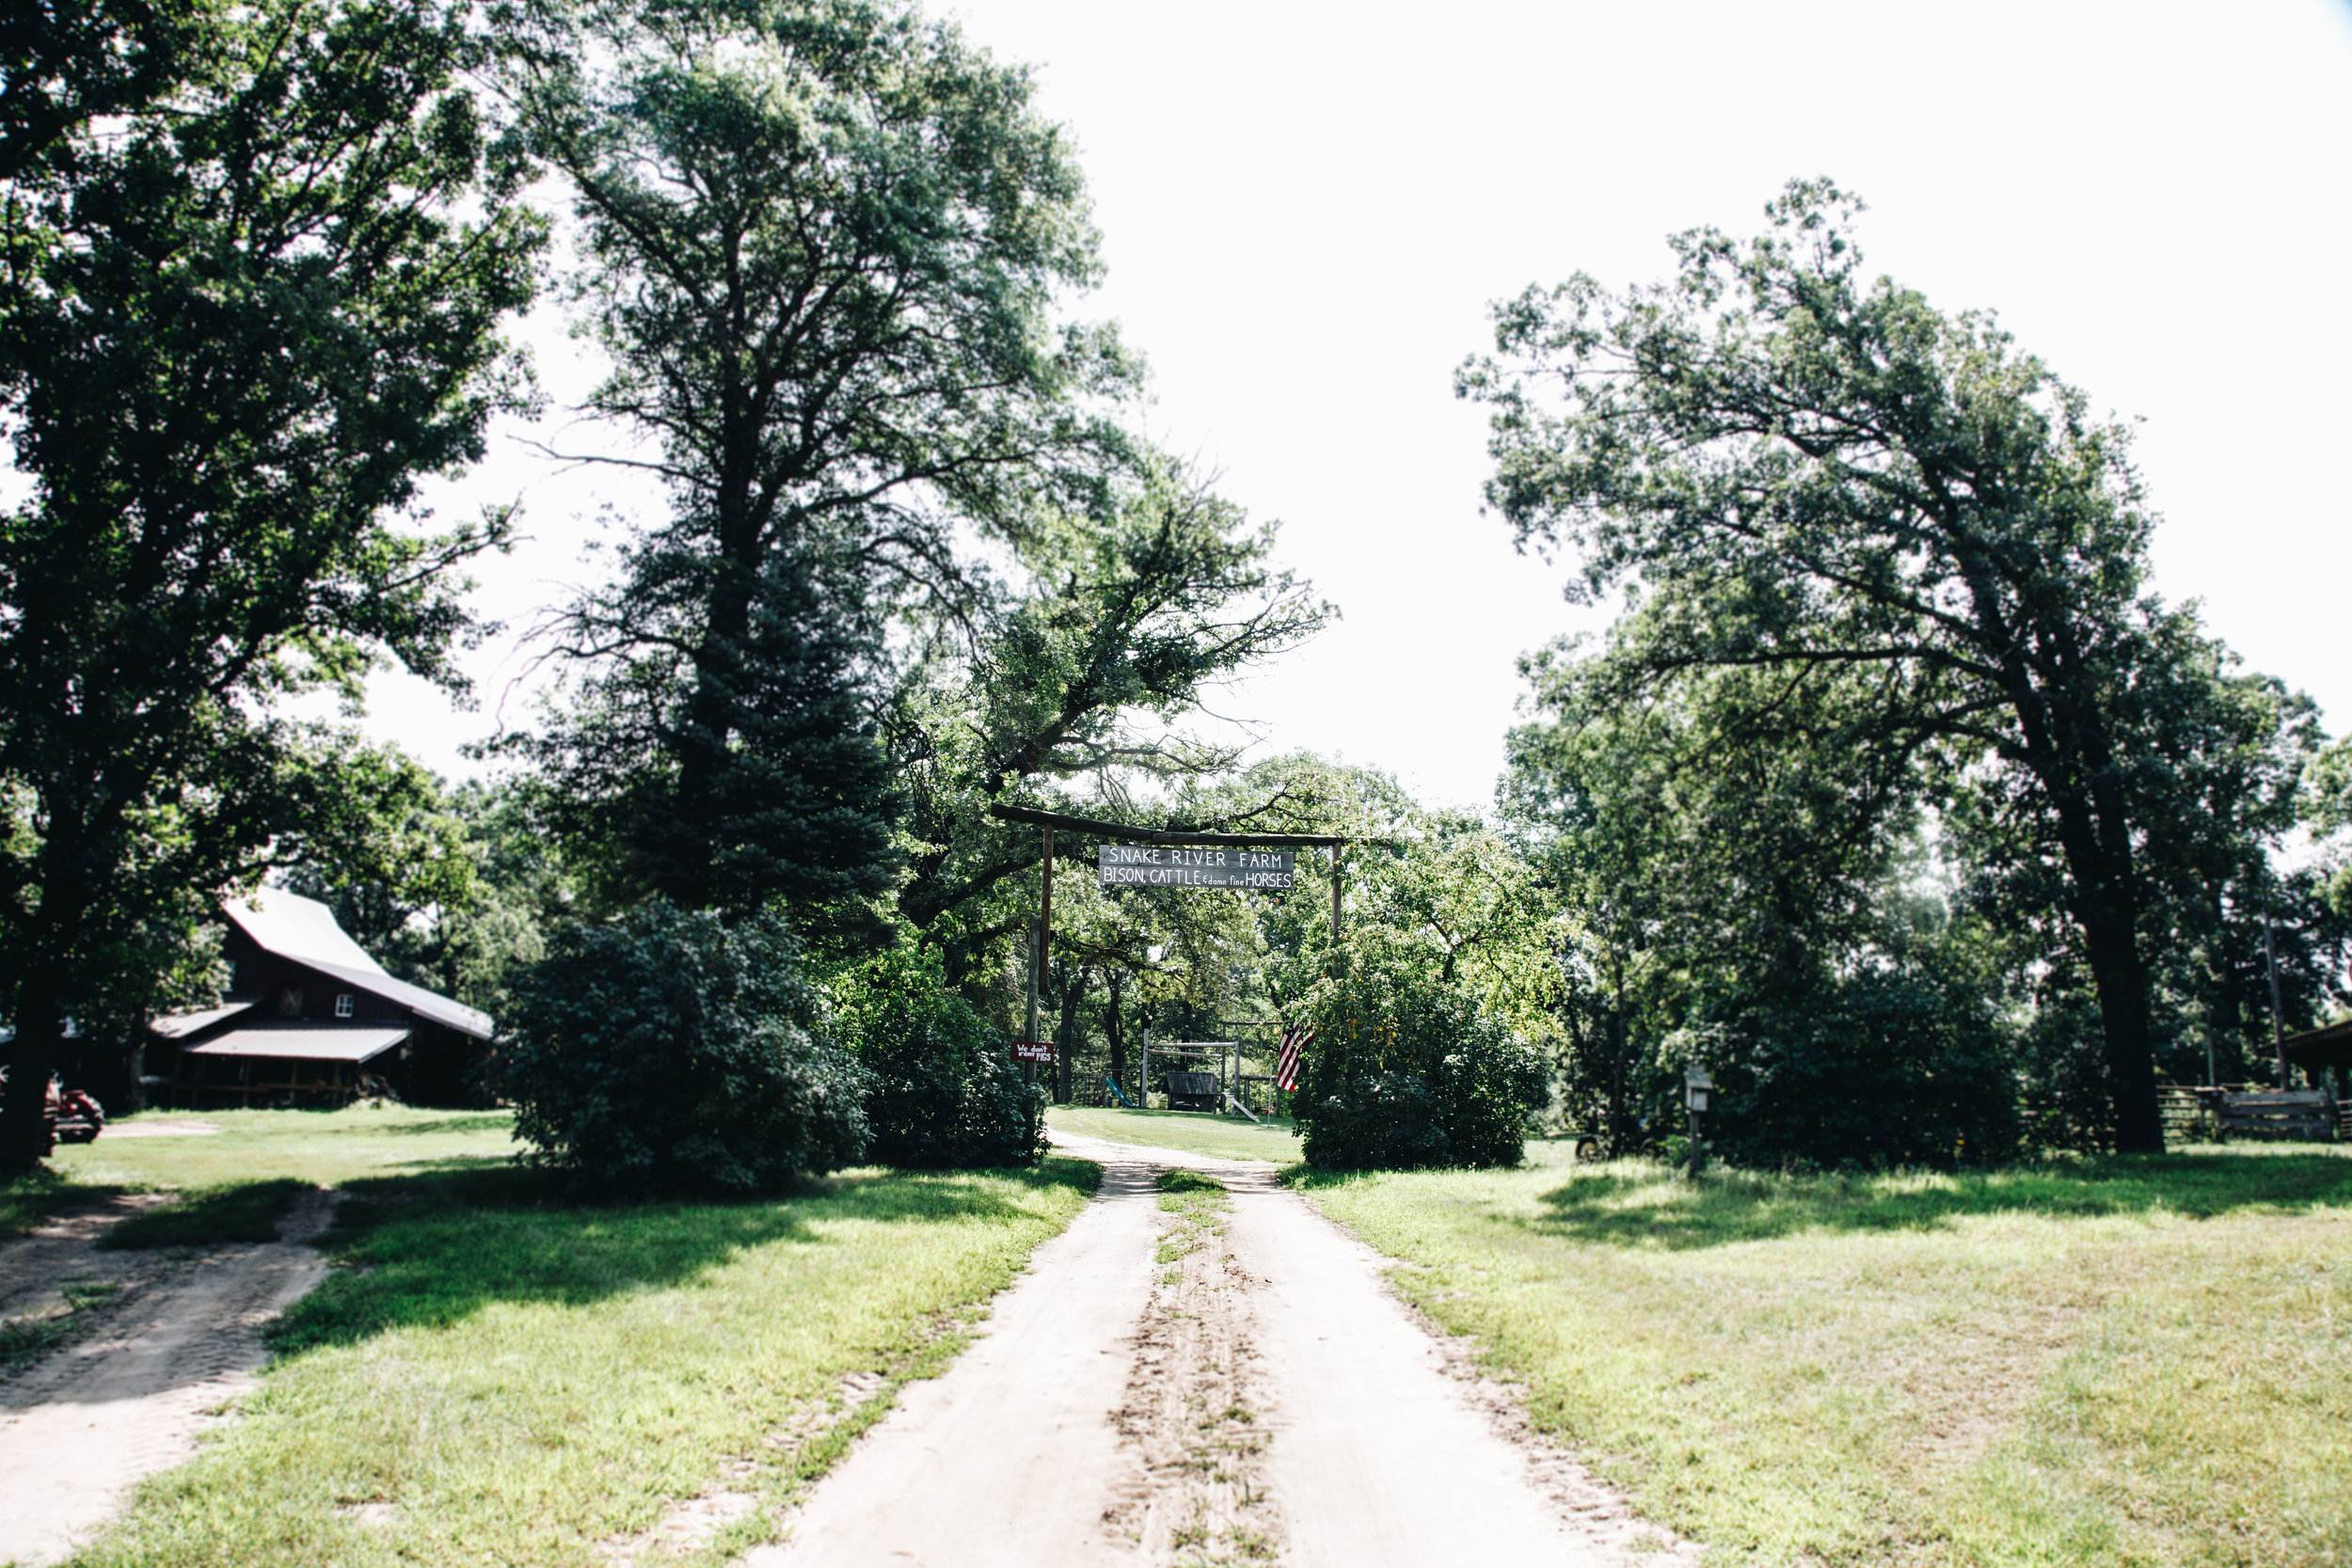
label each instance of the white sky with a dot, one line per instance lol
(1306, 209)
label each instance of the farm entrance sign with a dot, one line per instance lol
(1131, 856)
(1186, 866)
(1035, 1053)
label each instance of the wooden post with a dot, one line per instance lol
(1143, 1091)
(1029, 1070)
(1045, 908)
(1337, 851)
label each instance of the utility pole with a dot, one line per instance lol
(2278, 1020)
(1037, 947)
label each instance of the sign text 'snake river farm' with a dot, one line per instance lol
(1158, 865)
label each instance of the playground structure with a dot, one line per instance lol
(1201, 1075)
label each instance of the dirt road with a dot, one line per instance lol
(176, 1339)
(1155, 1391)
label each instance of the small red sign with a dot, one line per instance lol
(1033, 1051)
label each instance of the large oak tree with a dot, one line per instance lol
(823, 243)
(1803, 471)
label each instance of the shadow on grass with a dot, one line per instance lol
(30, 1198)
(214, 1216)
(1642, 1205)
(475, 1121)
(432, 1248)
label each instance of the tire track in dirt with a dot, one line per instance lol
(1189, 1428)
(80, 1427)
(1262, 1399)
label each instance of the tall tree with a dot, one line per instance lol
(64, 63)
(1808, 470)
(240, 327)
(823, 241)
(1125, 616)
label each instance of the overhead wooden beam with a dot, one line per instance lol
(1154, 835)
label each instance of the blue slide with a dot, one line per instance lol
(1110, 1084)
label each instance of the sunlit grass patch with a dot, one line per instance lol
(2125, 1360)
(1196, 1133)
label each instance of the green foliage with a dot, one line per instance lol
(1407, 1072)
(1813, 477)
(944, 1092)
(1086, 667)
(1881, 1071)
(823, 241)
(238, 323)
(666, 1051)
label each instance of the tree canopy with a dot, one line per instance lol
(234, 331)
(1813, 474)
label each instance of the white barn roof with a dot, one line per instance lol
(304, 930)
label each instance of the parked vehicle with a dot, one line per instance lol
(1601, 1141)
(79, 1116)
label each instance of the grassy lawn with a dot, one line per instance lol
(495, 1376)
(218, 1174)
(1196, 1132)
(2139, 1361)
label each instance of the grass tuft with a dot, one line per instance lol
(1223, 1137)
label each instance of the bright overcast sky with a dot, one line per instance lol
(1306, 210)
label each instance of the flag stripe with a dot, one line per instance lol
(1286, 1069)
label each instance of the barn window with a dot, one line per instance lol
(342, 1006)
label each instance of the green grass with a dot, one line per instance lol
(1200, 1204)
(320, 1147)
(2132, 1361)
(510, 1378)
(1194, 1131)
(26, 1200)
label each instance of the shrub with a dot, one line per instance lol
(1882, 1070)
(667, 1051)
(1406, 1074)
(944, 1092)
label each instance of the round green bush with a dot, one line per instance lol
(943, 1093)
(1407, 1075)
(667, 1051)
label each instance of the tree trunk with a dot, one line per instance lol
(40, 999)
(2121, 982)
(2106, 905)
(39, 1033)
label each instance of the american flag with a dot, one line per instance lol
(1286, 1066)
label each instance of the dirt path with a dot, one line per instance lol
(177, 1338)
(1155, 1392)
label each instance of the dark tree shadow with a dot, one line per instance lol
(462, 1121)
(435, 1246)
(1614, 1207)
